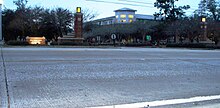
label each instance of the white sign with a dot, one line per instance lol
(113, 36)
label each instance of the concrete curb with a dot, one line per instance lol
(208, 106)
(3, 92)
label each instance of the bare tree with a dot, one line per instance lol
(88, 15)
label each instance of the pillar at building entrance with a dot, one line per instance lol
(77, 36)
(78, 22)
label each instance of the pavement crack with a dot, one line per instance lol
(5, 78)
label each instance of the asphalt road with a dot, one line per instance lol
(88, 77)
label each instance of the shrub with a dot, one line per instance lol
(69, 44)
(138, 44)
(192, 45)
(14, 42)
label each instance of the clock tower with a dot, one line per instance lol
(78, 23)
(77, 36)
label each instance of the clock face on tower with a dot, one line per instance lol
(79, 19)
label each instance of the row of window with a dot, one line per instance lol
(124, 16)
(104, 22)
(124, 20)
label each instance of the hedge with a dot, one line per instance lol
(69, 43)
(138, 44)
(14, 42)
(192, 45)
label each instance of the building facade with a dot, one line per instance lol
(124, 15)
(123, 25)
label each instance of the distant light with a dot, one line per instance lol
(148, 37)
(78, 9)
(36, 40)
(203, 19)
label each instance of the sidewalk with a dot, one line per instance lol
(208, 106)
(3, 92)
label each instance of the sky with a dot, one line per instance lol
(103, 9)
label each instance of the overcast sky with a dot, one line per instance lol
(103, 9)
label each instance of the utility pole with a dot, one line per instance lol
(1, 37)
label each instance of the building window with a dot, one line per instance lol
(116, 16)
(131, 16)
(123, 16)
(130, 20)
(123, 20)
(105, 23)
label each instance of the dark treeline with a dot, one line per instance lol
(52, 23)
(38, 21)
(177, 24)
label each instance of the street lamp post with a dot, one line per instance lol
(1, 37)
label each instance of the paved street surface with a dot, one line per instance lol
(83, 77)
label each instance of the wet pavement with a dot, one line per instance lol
(87, 77)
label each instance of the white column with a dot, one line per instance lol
(1, 37)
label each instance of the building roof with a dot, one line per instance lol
(144, 17)
(125, 9)
(107, 18)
